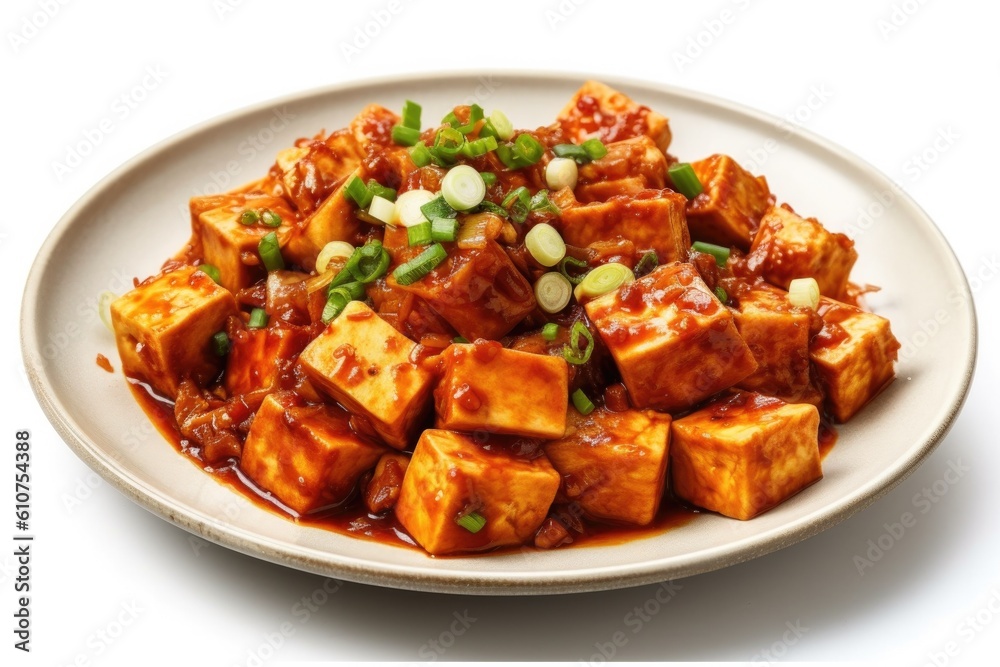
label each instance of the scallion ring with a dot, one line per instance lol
(605, 278)
(572, 352)
(553, 292)
(463, 188)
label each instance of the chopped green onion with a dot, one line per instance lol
(561, 172)
(420, 154)
(475, 115)
(409, 207)
(646, 263)
(518, 203)
(444, 229)
(447, 144)
(450, 119)
(220, 344)
(355, 289)
(594, 148)
(479, 147)
(379, 190)
(270, 252)
(459, 340)
(497, 125)
(270, 219)
(438, 208)
(685, 180)
(331, 250)
(720, 253)
(472, 522)
(582, 402)
(249, 217)
(358, 192)
(418, 267)
(258, 318)
(572, 352)
(365, 265)
(336, 301)
(489, 207)
(605, 278)
(545, 245)
(489, 178)
(524, 152)
(721, 295)
(411, 114)
(211, 271)
(541, 203)
(419, 234)
(382, 209)
(553, 292)
(463, 188)
(804, 292)
(576, 264)
(550, 331)
(405, 136)
(573, 152)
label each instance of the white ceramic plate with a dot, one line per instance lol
(137, 216)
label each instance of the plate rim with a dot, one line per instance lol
(467, 582)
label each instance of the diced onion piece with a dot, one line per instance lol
(545, 244)
(561, 172)
(804, 292)
(331, 250)
(382, 209)
(605, 278)
(582, 402)
(104, 300)
(553, 291)
(463, 188)
(407, 212)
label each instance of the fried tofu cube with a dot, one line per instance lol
(674, 343)
(306, 456)
(729, 209)
(854, 355)
(787, 247)
(744, 454)
(257, 357)
(487, 388)
(333, 220)
(164, 328)
(451, 475)
(631, 166)
(651, 219)
(777, 334)
(477, 290)
(362, 362)
(613, 464)
(230, 245)
(599, 110)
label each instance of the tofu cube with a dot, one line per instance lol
(477, 290)
(729, 209)
(258, 357)
(854, 355)
(333, 220)
(487, 388)
(306, 456)
(631, 166)
(164, 328)
(599, 110)
(787, 247)
(451, 475)
(614, 464)
(230, 245)
(651, 219)
(744, 454)
(674, 343)
(777, 334)
(362, 362)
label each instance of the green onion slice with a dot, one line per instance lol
(438, 208)
(411, 114)
(336, 301)
(804, 292)
(358, 192)
(420, 154)
(379, 190)
(489, 178)
(582, 402)
(444, 229)
(463, 188)
(472, 522)
(594, 148)
(572, 352)
(720, 253)
(258, 318)
(405, 136)
(418, 267)
(249, 217)
(497, 125)
(553, 292)
(545, 245)
(685, 180)
(365, 265)
(518, 204)
(447, 144)
(270, 219)
(567, 262)
(605, 278)
(479, 147)
(211, 271)
(489, 207)
(550, 331)
(220, 344)
(646, 263)
(541, 203)
(419, 234)
(721, 295)
(459, 340)
(270, 252)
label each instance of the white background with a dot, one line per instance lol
(886, 78)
